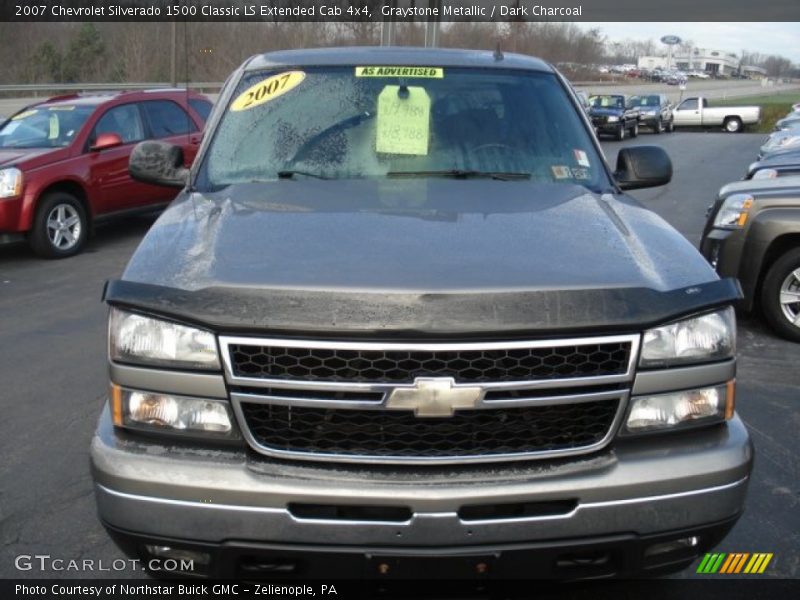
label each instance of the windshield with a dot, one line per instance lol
(44, 127)
(607, 101)
(368, 122)
(645, 101)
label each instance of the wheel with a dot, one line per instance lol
(635, 130)
(780, 295)
(60, 227)
(659, 127)
(620, 133)
(732, 125)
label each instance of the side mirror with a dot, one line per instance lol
(158, 163)
(105, 141)
(642, 167)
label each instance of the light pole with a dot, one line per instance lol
(173, 65)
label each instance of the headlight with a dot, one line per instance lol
(167, 413)
(135, 338)
(699, 339)
(679, 410)
(613, 119)
(733, 212)
(10, 183)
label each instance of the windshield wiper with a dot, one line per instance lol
(290, 174)
(342, 125)
(463, 174)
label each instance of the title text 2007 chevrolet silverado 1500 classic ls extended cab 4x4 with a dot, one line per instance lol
(403, 312)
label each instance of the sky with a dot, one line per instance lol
(767, 38)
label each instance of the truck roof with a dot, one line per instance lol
(396, 56)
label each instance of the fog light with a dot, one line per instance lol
(168, 413)
(672, 546)
(680, 409)
(179, 554)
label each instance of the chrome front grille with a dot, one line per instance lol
(395, 434)
(403, 366)
(372, 402)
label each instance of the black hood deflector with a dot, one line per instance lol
(422, 315)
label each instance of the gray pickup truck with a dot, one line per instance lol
(402, 319)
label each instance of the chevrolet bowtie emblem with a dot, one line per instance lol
(433, 397)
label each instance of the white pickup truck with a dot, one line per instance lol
(695, 112)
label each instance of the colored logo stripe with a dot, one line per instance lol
(734, 563)
(725, 563)
(758, 563)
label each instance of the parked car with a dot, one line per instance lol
(64, 162)
(583, 98)
(779, 164)
(611, 115)
(753, 233)
(446, 341)
(655, 111)
(779, 141)
(675, 78)
(695, 112)
(789, 122)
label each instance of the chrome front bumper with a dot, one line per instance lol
(663, 483)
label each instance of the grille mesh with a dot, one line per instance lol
(393, 366)
(384, 433)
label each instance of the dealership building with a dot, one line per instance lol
(701, 59)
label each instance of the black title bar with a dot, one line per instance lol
(401, 11)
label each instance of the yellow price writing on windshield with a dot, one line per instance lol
(403, 120)
(268, 90)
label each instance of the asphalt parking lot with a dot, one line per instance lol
(53, 380)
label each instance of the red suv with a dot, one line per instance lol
(64, 162)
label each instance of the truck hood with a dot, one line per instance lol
(607, 112)
(413, 235)
(380, 247)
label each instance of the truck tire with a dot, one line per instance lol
(732, 125)
(635, 130)
(780, 295)
(620, 132)
(659, 126)
(60, 227)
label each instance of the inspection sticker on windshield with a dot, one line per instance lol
(581, 158)
(53, 127)
(419, 72)
(560, 172)
(267, 90)
(404, 114)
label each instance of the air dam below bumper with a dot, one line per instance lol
(689, 482)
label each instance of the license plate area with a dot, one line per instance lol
(468, 566)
